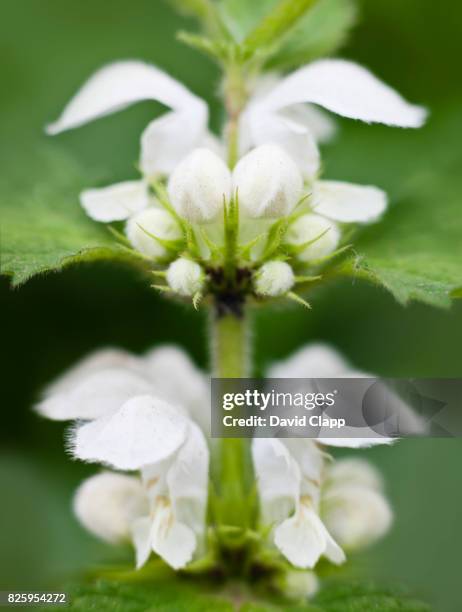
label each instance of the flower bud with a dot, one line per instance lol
(269, 183)
(185, 277)
(297, 584)
(325, 233)
(198, 186)
(142, 227)
(274, 278)
(107, 503)
(355, 516)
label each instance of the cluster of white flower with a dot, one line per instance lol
(150, 415)
(188, 202)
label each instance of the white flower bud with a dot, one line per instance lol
(198, 186)
(355, 516)
(268, 181)
(107, 503)
(156, 222)
(274, 278)
(307, 228)
(297, 584)
(185, 277)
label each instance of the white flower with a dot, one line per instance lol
(116, 202)
(274, 278)
(323, 234)
(135, 419)
(339, 86)
(143, 228)
(268, 182)
(354, 508)
(348, 203)
(166, 140)
(185, 277)
(164, 511)
(297, 584)
(199, 185)
(289, 476)
(321, 361)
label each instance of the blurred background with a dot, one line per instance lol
(48, 49)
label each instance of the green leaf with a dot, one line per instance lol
(322, 30)
(158, 596)
(146, 591)
(43, 227)
(415, 252)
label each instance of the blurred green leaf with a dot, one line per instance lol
(43, 227)
(319, 32)
(179, 595)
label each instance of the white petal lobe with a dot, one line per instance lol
(348, 203)
(347, 89)
(119, 85)
(145, 430)
(116, 202)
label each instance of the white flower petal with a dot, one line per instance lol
(325, 233)
(150, 222)
(310, 460)
(96, 395)
(143, 431)
(167, 140)
(317, 122)
(119, 85)
(356, 515)
(311, 361)
(187, 481)
(167, 366)
(303, 539)
(356, 442)
(347, 89)
(265, 127)
(106, 505)
(354, 471)
(171, 539)
(102, 359)
(116, 202)
(278, 479)
(347, 202)
(141, 537)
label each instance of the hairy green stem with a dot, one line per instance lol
(231, 359)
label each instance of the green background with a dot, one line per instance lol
(48, 48)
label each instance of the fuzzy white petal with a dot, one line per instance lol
(199, 185)
(142, 227)
(354, 471)
(274, 278)
(141, 537)
(167, 366)
(353, 442)
(356, 515)
(311, 361)
(172, 540)
(119, 85)
(102, 359)
(185, 277)
(116, 202)
(303, 539)
(263, 128)
(143, 431)
(347, 202)
(107, 503)
(96, 395)
(166, 141)
(278, 479)
(268, 182)
(347, 89)
(316, 121)
(324, 233)
(187, 481)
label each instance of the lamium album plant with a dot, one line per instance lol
(228, 222)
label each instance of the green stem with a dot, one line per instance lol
(231, 359)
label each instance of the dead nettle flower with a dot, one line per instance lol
(272, 206)
(316, 508)
(133, 416)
